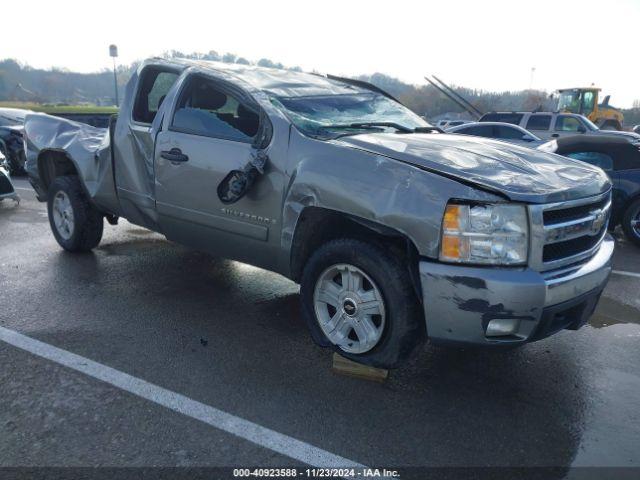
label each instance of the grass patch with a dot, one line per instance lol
(55, 109)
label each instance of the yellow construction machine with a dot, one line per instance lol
(585, 102)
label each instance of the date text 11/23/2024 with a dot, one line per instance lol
(315, 472)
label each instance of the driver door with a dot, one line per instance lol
(208, 134)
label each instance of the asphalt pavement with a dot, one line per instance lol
(144, 353)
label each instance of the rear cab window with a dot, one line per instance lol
(153, 86)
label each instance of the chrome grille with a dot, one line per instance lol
(568, 232)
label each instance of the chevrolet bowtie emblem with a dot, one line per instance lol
(599, 219)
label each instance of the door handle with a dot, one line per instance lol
(555, 135)
(174, 155)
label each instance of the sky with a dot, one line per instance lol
(484, 44)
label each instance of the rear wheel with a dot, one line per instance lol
(631, 222)
(76, 224)
(357, 299)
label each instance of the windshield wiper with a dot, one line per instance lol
(375, 125)
(397, 126)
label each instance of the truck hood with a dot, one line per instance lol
(519, 173)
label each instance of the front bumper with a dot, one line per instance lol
(460, 302)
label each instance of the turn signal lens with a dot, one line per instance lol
(451, 246)
(452, 217)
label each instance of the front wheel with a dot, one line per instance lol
(357, 298)
(631, 222)
(76, 224)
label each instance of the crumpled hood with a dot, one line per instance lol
(520, 173)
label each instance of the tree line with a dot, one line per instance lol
(23, 83)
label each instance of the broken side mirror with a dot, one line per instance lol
(238, 182)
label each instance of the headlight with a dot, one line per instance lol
(485, 234)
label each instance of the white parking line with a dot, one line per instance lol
(626, 274)
(23, 188)
(262, 436)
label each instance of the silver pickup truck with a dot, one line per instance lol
(395, 231)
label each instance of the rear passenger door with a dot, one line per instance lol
(540, 125)
(133, 148)
(209, 132)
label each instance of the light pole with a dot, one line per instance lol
(533, 71)
(113, 53)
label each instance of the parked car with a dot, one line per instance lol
(620, 159)
(6, 187)
(395, 231)
(444, 124)
(11, 144)
(549, 125)
(499, 131)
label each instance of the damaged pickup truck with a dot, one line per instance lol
(395, 231)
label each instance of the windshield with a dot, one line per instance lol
(330, 116)
(569, 102)
(589, 124)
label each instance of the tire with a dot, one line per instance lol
(384, 291)
(631, 215)
(76, 224)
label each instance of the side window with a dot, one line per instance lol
(598, 159)
(513, 118)
(154, 84)
(508, 132)
(204, 109)
(539, 122)
(565, 123)
(478, 130)
(588, 102)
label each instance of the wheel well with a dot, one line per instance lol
(52, 164)
(317, 226)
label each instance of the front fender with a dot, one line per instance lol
(375, 188)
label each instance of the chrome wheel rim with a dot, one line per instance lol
(349, 308)
(635, 224)
(63, 215)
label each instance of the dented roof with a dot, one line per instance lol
(279, 82)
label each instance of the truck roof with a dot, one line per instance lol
(279, 82)
(579, 88)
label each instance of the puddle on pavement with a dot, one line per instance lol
(140, 231)
(611, 312)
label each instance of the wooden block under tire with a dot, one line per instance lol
(347, 367)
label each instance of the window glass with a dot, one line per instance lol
(588, 102)
(539, 122)
(478, 130)
(331, 116)
(565, 123)
(508, 132)
(598, 159)
(204, 109)
(514, 118)
(154, 86)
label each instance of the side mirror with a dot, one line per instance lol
(238, 182)
(581, 129)
(527, 138)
